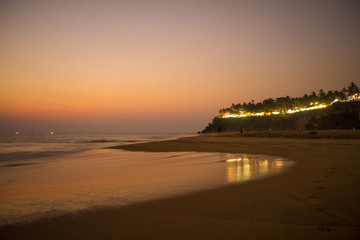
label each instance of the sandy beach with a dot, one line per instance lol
(318, 198)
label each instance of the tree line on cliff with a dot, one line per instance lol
(285, 103)
(340, 115)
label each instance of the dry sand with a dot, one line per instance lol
(318, 198)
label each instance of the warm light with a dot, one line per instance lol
(243, 168)
(313, 106)
(234, 160)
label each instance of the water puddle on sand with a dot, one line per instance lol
(36, 188)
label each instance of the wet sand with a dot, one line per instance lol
(39, 188)
(318, 198)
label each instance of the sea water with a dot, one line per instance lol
(44, 175)
(28, 145)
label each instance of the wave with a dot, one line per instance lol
(32, 146)
(15, 156)
(107, 141)
(17, 164)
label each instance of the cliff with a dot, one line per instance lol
(341, 115)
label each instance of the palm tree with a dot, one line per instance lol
(321, 95)
(352, 89)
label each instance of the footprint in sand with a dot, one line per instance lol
(324, 229)
(320, 208)
(313, 197)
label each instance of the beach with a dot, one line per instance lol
(317, 198)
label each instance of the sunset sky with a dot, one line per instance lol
(165, 66)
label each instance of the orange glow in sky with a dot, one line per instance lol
(165, 66)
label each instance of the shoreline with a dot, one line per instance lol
(308, 134)
(316, 198)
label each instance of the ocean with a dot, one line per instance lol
(50, 174)
(30, 145)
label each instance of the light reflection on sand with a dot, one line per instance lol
(34, 188)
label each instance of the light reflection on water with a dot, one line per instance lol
(34, 188)
(244, 168)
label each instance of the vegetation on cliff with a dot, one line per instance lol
(283, 104)
(331, 110)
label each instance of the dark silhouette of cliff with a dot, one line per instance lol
(341, 115)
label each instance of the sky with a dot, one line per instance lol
(165, 66)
